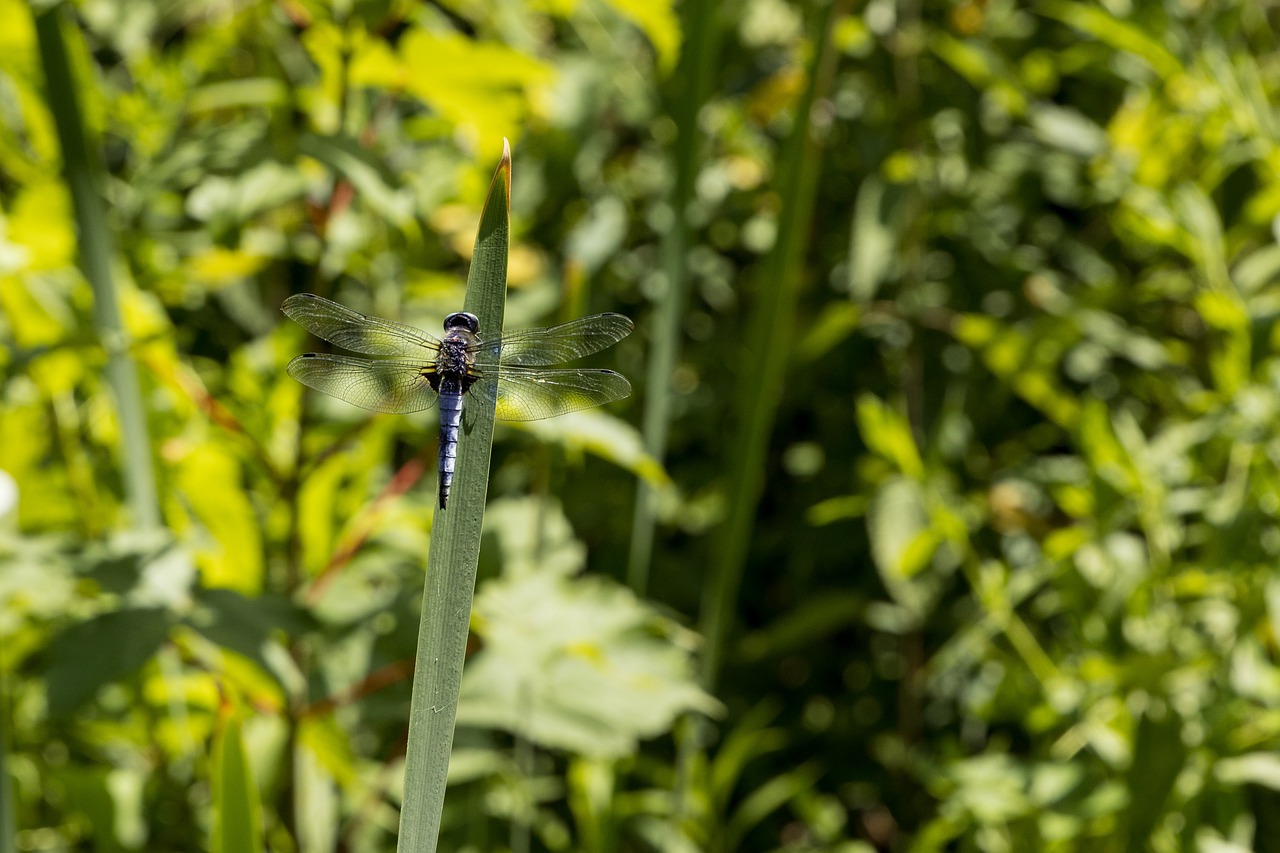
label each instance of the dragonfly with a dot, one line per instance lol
(512, 372)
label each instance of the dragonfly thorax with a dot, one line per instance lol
(455, 365)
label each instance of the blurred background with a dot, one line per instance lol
(945, 514)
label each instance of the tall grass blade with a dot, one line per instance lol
(760, 388)
(455, 552)
(83, 168)
(690, 90)
(237, 815)
(8, 807)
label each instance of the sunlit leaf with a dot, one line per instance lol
(230, 555)
(480, 87)
(237, 811)
(576, 664)
(657, 19)
(603, 435)
(218, 265)
(887, 433)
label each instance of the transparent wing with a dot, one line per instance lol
(525, 394)
(538, 347)
(383, 386)
(354, 331)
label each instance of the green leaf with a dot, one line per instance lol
(812, 621)
(1114, 32)
(751, 738)
(101, 650)
(873, 241)
(603, 435)
(367, 174)
(835, 324)
(571, 663)
(657, 19)
(1067, 129)
(576, 664)
(1256, 768)
(534, 536)
(211, 480)
(887, 433)
(109, 803)
(237, 822)
(455, 553)
(227, 201)
(992, 788)
(898, 522)
(768, 798)
(479, 87)
(1159, 754)
(247, 625)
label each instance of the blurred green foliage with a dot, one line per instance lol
(1009, 583)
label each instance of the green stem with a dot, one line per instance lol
(8, 819)
(692, 86)
(769, 325)
(84, 175)
(455, 553)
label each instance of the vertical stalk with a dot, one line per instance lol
(691, 88)
(455, 553)
(82, 167)
(768, 328)
(8, 820)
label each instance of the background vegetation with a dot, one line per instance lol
(945, 516)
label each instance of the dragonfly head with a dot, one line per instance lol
(462, 320)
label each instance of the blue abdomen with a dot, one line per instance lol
(450, 419)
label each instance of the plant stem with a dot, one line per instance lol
(8, 821)
(692, 86)
(83, 169)
(768, 328)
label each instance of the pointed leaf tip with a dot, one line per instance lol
(504, 169)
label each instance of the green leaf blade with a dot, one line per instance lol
(237, 823)
(455, 552)
(101, 650)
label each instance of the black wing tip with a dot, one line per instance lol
(298, 359)
(626, 323)
(623, 382)
(292, 367)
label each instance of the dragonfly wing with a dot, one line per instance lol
(540, 347)
(526, 394)
(354, 331)
(382, 386)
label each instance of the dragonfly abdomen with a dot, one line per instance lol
(452, 382)
(450, 419)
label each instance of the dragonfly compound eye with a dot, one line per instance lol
(462, 319)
